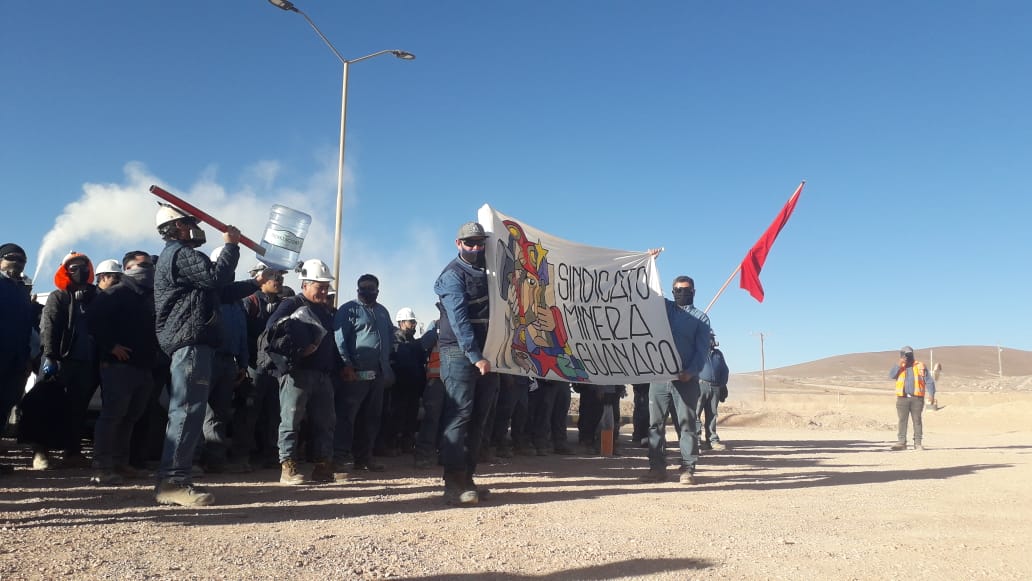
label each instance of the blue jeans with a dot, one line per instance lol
(709, 400)
(125, 391)
(430, 425)
(219, 413)
(468, 399)
(359, 406)
(188, 398)
(306, 393)
(681, 397)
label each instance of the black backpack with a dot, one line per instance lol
(268, 361)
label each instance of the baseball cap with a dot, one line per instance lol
(471, 230)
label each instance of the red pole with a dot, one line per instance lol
(203, 216)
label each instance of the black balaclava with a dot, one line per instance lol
(78, 273)
(143, 274)
(684, 296)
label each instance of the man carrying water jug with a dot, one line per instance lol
(188, 289)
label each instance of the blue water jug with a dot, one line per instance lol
(284, 235)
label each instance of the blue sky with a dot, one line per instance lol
(627, 125)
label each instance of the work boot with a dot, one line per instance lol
(40, 460)
(289, 473)
(654, 475)
(183, 494)
(687, 477)
(563, 450)
(106, 478)
(705, 446)
(423, 462)
(719, 447)
(370, 465)
(504, 452)
(899, 446)
(341, 473)
(456, 491)
(483, 492)
(918, 446)
(323, 472)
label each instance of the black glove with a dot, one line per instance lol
(723, 393)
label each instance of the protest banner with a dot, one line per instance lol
(571, 312)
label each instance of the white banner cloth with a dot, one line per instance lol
(570, 312)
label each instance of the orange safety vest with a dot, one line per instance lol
(919, 380)
(433, 366)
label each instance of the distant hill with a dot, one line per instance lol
(965, 361)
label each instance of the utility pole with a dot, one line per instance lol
(763, 364)
(999, 359)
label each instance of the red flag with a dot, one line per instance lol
(754, 260)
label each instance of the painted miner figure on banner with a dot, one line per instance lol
(570, 312)
(540, 343)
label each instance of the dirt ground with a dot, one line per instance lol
(809, 490)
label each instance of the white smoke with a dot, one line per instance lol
(111, 219)
(114, 218)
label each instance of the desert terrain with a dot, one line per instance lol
(807, 490)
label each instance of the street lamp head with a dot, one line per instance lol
(284, 5)
(405, 56)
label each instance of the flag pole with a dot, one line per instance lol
(723, 288)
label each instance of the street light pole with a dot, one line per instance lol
(403, 55)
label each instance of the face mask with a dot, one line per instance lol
(474, 257)
(78, 274)
(684, 296)
(368, 295)
(408, 333)
(910, 359)
(196, 238)
(142, 275)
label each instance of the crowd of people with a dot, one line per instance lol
(200, 372)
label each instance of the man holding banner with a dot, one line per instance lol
(470, 387)
(691, 337)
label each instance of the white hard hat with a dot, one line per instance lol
(216, 252)
(168, 214)
(315, 269)
(405, 314)
(109, 266)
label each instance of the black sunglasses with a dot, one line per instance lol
(14, 258)
(474, 242)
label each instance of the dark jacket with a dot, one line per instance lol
(64, 331)
(124, 315)
(408, 359)
(16, 314)
(715, 370)
(258, 307)
(188, 289)
(293, 336)
(464, 308)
